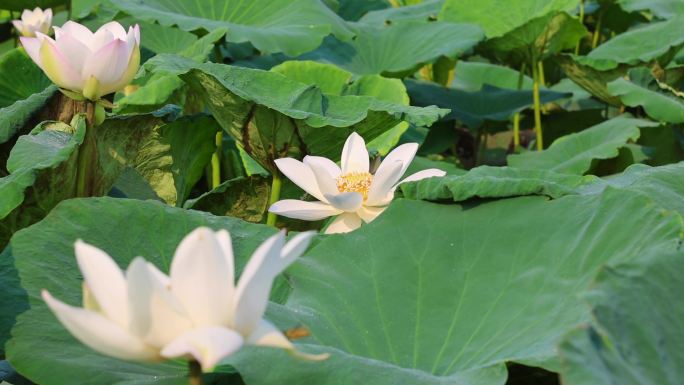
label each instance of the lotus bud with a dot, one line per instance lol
(32, 22)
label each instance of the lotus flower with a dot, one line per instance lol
(196, 313)
(89, 64)
(352, 193)
(33, 22)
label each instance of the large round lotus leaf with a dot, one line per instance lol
(665, 9)
(272, 116)
(498, 17)
(573, 154)
(289, 26)
(397, 48)
(23, 91)
(659, 101)
(635, 337)
(645, 44)
(445, 294)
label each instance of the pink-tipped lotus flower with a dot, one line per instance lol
(86, 63)
(32, 22)
(352, 193)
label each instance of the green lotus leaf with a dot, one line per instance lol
(475, 108)
(271, 116)
(642, 90)
(397, 48)
(652, 42)
(42, 168)
(427, 10)
(289, 26)
(665, 9)
(499, 17)
(573, 154)
(497, 182)
(458, 290)
(633, 337)
(24, 90)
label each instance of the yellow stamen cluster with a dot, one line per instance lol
(359, 182)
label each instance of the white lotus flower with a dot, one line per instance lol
(90, 64)
(352, 192)
(34, 21)
(197, 312)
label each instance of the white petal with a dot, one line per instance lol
(116, 29)
(429, 173)
(344, 223)
(254, 286)
(101, 38)
(21, 28)
(223, 238)
(332, 168)
(404, 154)
(206, 345)
(308, 211)
(301, 175)
(78, 31)
(349, 201)
(73, 50)
(32, 47)
(294, 248)
(327, 183)
(200, 278)
(355, 155)
(55, 65)
(368, 214)
(383, 181)
(160, 277)
(105, 281)
(99, 333)
(107, 65)
(156, 316)
(268, 335)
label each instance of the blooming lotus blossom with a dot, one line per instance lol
(32, 22)
(89, 64)
(352, 193)
(197, 312)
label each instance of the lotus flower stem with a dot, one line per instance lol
(597, 32)
(537, 104)
(516, 117)
(87, 154)
(216, 161)
(581, 20)
(195, 372)
(275, 196)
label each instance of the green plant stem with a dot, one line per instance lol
(275, 196)
(542, 77)
(597, 32)
(516, 117)
(195, 373)
(216, 161)
(581, 20)
(217, 53)
(87, 155)
(537, 104)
